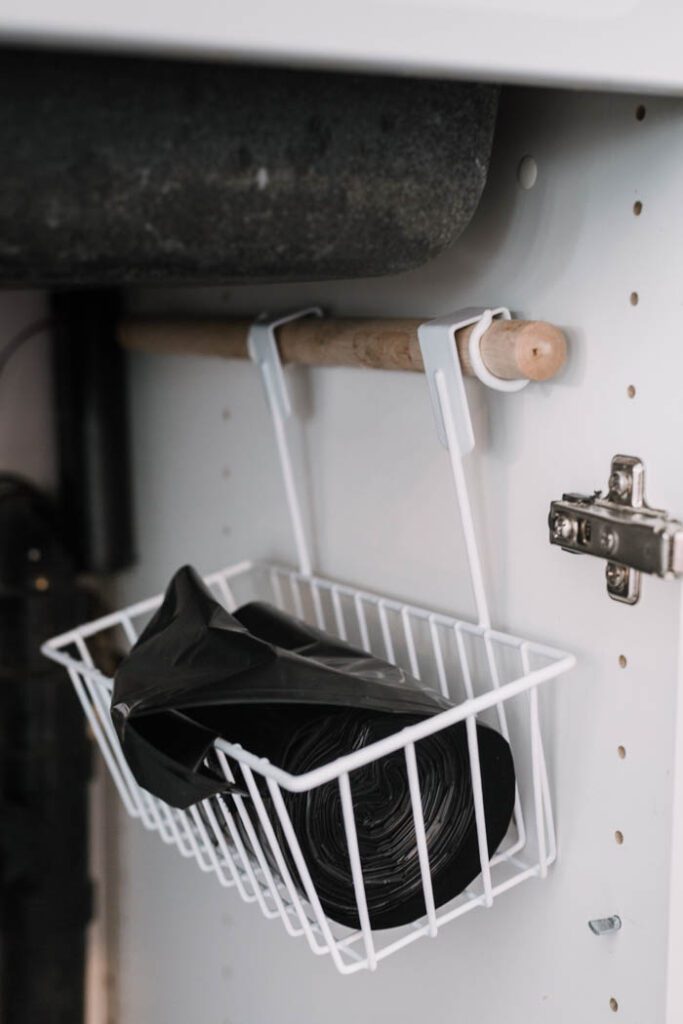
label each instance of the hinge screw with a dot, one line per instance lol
(563, 527)
(617, 576)
(620, 484)
(608, 539)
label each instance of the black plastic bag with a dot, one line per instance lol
(301, 698)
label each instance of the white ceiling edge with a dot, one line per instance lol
(621, 45)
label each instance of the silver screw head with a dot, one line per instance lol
(608, 539)
(617, 576)
(563, 527)
(620, 484)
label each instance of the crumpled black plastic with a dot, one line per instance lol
(301, 698)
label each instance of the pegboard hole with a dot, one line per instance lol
(619, 838)
(640, 112)
(634, 298)
(621, 751)
(527, 172)
(637, 208)
(623, 661)
(613, 1005)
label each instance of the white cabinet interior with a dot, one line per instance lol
(595, 246)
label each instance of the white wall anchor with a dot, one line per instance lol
(605, 925)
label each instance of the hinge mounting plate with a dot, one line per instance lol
(621, 528)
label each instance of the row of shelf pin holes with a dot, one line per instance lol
(619, 835)
(527, 176)
(634, 298)
(640, 114)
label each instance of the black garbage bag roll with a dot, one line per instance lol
(302, 698)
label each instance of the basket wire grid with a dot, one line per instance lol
(486, 673)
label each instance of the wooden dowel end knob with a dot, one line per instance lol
(517, 349)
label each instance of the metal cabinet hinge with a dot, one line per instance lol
(622, 528)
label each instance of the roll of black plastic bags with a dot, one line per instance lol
(302, 698)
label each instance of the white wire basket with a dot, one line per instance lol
(248, 842)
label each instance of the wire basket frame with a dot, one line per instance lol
(485, 672)
(489, 676)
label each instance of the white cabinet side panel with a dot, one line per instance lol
(571, 250)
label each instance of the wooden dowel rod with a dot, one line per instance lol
(511, 349)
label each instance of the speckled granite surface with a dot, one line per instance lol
(118, 169)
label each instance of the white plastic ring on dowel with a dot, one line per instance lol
(474, 350)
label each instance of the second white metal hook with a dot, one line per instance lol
(440, 356)
(263, 351)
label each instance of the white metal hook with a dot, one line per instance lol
(264, 353)
(452, 414)
(440, 358)
(440, 353)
